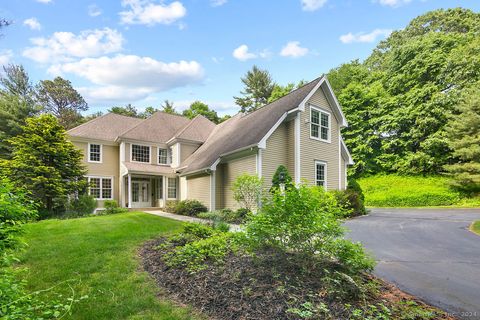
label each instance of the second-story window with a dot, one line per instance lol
(319, 124)
(140, 153)
(162, 156)
(94, 152)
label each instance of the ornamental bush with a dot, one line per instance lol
(306, 221)
(190, 208)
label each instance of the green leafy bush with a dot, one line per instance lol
(194, 255)
(189, 208)
(352, 199)
(408, 191)
(225, 215)
(170, 205)
(111, 207)
(83, 205)
(306, 221)
(247, 190)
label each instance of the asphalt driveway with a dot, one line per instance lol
(426, 252)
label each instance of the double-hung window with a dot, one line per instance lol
(172, 188)
(94, 152)
(319, 124)
(320, 173)
(140, 153)
(100, 187)
(162, 156)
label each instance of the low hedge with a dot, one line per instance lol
(407, 191)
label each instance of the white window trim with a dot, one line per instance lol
(101, 186)
(325, 173)
(143, 145)
(176, 188)
(319, 138)
(101, 153)
(158, 156)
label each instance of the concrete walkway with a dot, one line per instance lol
(233, 227)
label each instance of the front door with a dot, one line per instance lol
(141, 194)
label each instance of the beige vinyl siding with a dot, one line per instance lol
(175, 159)
(275, 154)
(127, 152)
(290, 145)
(186, 150)
(198, 188)
(343, 175)
(231, 171)
(219, 186)
(311, 149)
(108, 168)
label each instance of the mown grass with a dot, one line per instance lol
(476, 227)
(412, 191)
(99, 256)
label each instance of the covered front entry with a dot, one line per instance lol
(143, 191)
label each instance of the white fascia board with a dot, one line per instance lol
(345, 150)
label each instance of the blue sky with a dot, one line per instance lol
(145, 51)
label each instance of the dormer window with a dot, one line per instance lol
(140, 153)
(319, 124)
(162, 156)
(94, 152)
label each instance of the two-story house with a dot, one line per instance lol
(146, 162)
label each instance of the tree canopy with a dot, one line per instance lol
(59, 98)
(398, 101)
(200, 108)
(258, 87)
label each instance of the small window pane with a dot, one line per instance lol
(324, 120)
(95, 152)
(140, 153)
(324, 133)
(315, 117)
(162, 156)
(315, 130)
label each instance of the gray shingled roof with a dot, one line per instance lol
(244, 130)
(160, 127)
(107, 127)
(196, 130)
(150, 168)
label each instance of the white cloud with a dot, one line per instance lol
(393, 3)
(149, 13)
(217, 3)
(312, 5)
(293, 49)
(94, 10)
(44, 1)
(5, 57)
(241, 53)
(33, 24)
(365, 37)
(63, 46)
(130, 77)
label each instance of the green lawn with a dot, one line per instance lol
(476, 227)
(100, 255)
(408, 191)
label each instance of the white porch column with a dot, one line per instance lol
(129, 190)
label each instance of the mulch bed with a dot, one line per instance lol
(245, 287)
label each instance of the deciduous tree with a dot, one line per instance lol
(200, 108)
